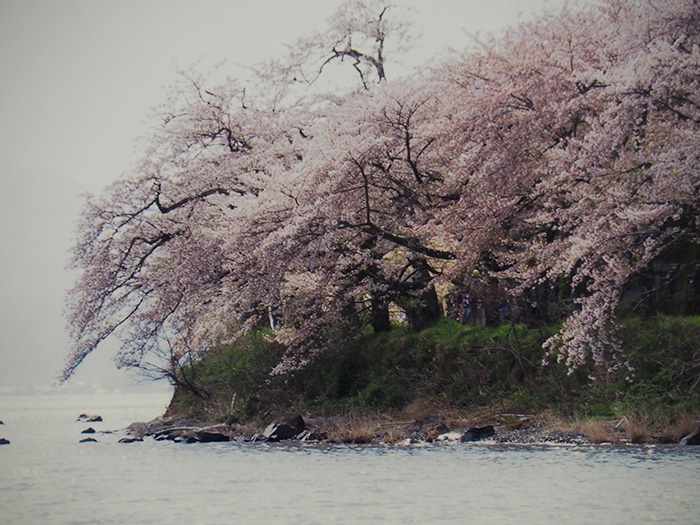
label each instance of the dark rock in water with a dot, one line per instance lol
(130, 440)
(195, 434)
(88, 440)
(211, 436)
(288, 429)
(4, 441)
(2, 422)
(692, 439)
(477, 433)
(89, 419)
(88, 430)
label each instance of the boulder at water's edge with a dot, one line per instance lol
(130, 440)
(477, 433)
(692, 439)
(287, 429)
(89, 419)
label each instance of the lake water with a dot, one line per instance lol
(47, 476)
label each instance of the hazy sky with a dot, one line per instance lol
(78, 80)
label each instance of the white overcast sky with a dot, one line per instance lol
(78, 80)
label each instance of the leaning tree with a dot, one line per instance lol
(203, 239)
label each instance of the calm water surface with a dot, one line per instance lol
(47, 476)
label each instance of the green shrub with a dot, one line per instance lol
(665, 354)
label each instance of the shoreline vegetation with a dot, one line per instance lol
(441, 384)
(541, 187)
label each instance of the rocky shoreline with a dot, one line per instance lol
(367, 430)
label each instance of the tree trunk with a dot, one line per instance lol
(425, 310)
(380, 316)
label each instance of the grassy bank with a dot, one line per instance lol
(454, 371)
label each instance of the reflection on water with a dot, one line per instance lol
(48, 477)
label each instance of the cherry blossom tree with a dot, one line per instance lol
(357, 37)
(193, 243)
(560, 159)
(581, 161)
(373, 190)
